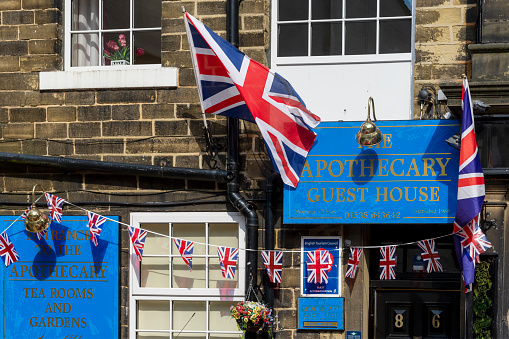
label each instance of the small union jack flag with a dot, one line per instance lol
(7, 251)
(353, 262)
(228, 260)
(95, 224)
(185, 248)
(55, 205)
(24, 215)
(473, 240)
(387, 262)
(273, 261)
(429, 254)
(318, 263)
(138, 240)
(40, 235)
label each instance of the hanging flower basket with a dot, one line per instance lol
(251, 316)
(249, 326)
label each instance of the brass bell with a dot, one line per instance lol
(369, 134)
(36, 221)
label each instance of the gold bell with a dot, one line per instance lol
(36, 221)
(369, 134)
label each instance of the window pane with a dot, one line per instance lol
(395, 7)
(85, 14)
(326, 38)
(184, 335)
(360, 9)
(192, 313)
(293, 40)
(147, 13)
(155, 272)
(360, 37)
(116, 14)
(156, 244)
(220, 318)
(153, 315)
(395, 36)
(326, 9)
(152, 335)
(183, 278)
(223, 336)
(223, 235)
(216, 279)
(85, 50)
(150, 43)
(193, 232)
(293, 10)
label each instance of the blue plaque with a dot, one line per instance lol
(321, 313)
(410, 177)
(353, 335)
(62, 286)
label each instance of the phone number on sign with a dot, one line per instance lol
(373, 215)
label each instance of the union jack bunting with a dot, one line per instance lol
(318, 263)
(353, 262)
(95, 224)
(228, 260)
(41, 234)
(473, 240)
(55, 205)
(273, 261)
(231, 84)
(470, 186)
(7, 251)
(185, 248)
(387, 262)
(24, 214)
(137, 236)
(429, 254)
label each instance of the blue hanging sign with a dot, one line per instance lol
(410, 177)
(63, 286)
(321, 313)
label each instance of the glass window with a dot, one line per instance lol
(103, 33)
(343, 27)
(492, 143)
(169, 299)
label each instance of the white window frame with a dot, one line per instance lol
(170, 294)
(339, 59)
(103, 77)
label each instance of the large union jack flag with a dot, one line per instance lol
(273, 261)
(55, 205)
(95, 224)
(228, 260)
(185, 248)
(429, 254)
(353, 262)
(470, 186)
(318, 264)
(7, 251)
(137, 236)
(232, 84)
(387, 262)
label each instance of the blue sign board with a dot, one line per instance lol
(353, 335)
(321, 313)
(63, 286)
(410, 177)
(321, 278)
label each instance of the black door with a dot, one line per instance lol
(417, 313)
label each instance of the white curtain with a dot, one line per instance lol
(86, 47)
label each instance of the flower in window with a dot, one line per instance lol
(120, 49)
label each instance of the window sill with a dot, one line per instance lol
(109, 77)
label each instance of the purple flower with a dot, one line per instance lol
(121, 40)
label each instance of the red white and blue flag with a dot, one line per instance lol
(185, 248)
(24, 214)
(318, 264)
(470, 187)
(473, 240)
(387, 262)
(228, 260)
(7, 251)
(137, 236)
(353, 262)
(273, 261)
(95, 224)
(231, 84)
(55, 205)
(430, 256)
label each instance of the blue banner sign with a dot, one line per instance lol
(321, 313)
(353, 335)
(63, 286)
(410, 177)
